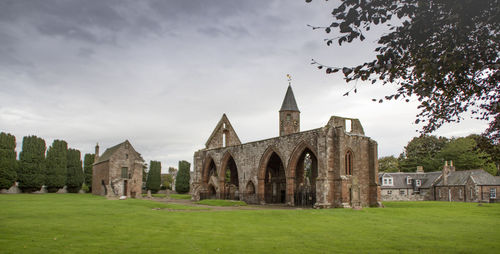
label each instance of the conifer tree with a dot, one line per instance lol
(31, 164)
(182, 179)
(8, 161)
(88, 161)
(56, 163)
(74, 177)
(154, 176)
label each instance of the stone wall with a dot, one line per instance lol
(328, 144)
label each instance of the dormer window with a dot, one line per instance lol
(387, 181)
(418, 183)
(288, 117)
(408, 180)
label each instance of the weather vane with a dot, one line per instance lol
(289, 79)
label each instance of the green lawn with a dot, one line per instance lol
(82, 223)
(156, 195)
(180, 196)
(219, 202)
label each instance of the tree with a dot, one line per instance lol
(154, 176)
(443, 52)
(8, 161)
(88, 161)
(167, 181)
(31, 164)
(182, 179)
(74, 177)
(56, 163)
(388, 164)
(465, 156)
(422, 151)
(486, 145)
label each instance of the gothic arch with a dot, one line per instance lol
(297, 152)
(225, 160)
(269, 155)
(302, 182)
(349, 162)
(264, 159)
(206, 167)
(250, 188)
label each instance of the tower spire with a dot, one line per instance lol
(289, 112)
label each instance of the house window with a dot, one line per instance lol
(471, 193)
(408, 180)
(288, 117)
(348, 163)
(401, 192)
(126, 156)
(460, 193)
(124, 172)
(389, 192)
(493, 193)
(418, 183)
(439, 192)
(387, 181)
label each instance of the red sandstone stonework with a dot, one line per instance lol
(261, 161)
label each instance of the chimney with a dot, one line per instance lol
(96, 158)
(446, 170)
(452, 168)
(420, 169)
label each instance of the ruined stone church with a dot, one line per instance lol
(331, 166)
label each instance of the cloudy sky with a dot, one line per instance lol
(161, 74)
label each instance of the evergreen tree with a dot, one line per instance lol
(74, 177)
(422, 151)
(465, 156)
(153, 181)
(182, 179)
(88, 161)
(56, 163)
(31, 164)
(8, 161)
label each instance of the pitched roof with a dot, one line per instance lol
(399, 179)
(479, 176)
(110, 151)
(289, 103)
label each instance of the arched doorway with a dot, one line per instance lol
(212, 194)
(231, 180)
(275, 181)
(306, 173)
(209, 179)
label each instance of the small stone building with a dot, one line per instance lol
(407, 186)
(467, 186)
(118, 171)
(332, 166)
(446, 185)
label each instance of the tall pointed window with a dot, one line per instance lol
(348, 163)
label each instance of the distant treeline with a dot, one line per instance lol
(471, 152)
(55, 167)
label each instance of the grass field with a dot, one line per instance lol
(80, 223)
(218, 202)
(180, 196)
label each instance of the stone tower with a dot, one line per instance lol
(289, 114)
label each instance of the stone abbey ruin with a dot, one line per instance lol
(331, 166)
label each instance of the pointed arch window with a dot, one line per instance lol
(348, 163)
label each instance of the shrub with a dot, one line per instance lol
(182, 179)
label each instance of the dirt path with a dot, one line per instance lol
(187, 202)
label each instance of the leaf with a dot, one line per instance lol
(328, 70)
(346, 94)
(328, 30)
(334, 24)
(361, 37)
(346, 70)
(320, 67)
(335, 70)
(329, 42)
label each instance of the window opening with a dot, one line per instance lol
(348, 125)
